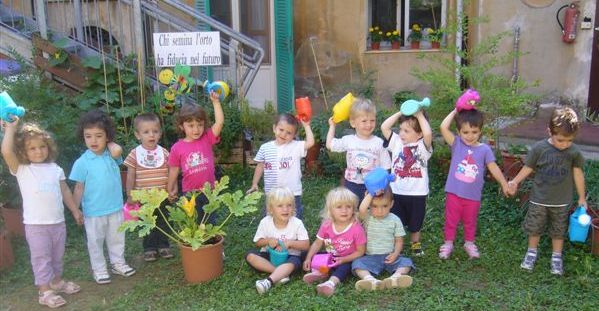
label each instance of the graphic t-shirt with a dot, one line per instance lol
(342, 243)
(467, 169)
(282, 167)
(294, 231)
(410, 166)
(553, 182)
(363, 155)
(195, 160)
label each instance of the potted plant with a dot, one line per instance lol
(415, 36)
(200, 242)
(376, 36)
(435, 36)
(513, 159)
(393, 37)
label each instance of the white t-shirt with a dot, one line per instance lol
(295, 231)
(282, 165)
(410, 166)
(40, 189)
(363, 155)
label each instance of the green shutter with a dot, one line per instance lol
(284, 54)
(203, 6)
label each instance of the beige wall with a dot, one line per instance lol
(562, 69)
(340, 25)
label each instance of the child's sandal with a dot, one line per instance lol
(66, 287)
(401, 281)
(50, 299)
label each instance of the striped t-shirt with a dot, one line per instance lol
(151, 167)
(381, 234)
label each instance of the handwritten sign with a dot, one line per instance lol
(187, 48)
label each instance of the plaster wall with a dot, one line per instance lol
(562, 69)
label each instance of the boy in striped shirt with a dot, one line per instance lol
(147, 167)
(384, 232)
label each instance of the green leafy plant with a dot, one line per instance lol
(393, 36)
(60, 58)
(435, 35)
(415, 33)
(376, 34)
(183, 227)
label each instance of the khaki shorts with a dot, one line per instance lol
(539, 215)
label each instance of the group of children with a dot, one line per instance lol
(361, 230)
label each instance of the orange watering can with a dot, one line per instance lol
(303, 108)
(342, 107)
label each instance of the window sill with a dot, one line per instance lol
(401, 50)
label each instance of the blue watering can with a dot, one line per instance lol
(411, 106)
(377, 180)
(580, 222)
(8, 108)
(278, 257)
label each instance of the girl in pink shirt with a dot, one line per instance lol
(192, 155)
(342, 236)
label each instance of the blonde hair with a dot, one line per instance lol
(279, 196)
(361, 106)
(31, 131)
(564, 121)
(336, 197)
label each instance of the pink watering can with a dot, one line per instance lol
(303, 108)
(411, 106)
(468, 100)
(127, 208)
(322, 263)
(377, 180)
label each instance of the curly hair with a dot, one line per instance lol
(564, 121)
(31, 131)
(96, 119)
(190, 112)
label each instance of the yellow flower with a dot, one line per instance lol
(189, 206)
(376, 27)
(380, 32)
(57, 55)
(165, 76)
(395, 32)
(371, 29)
(388, 34)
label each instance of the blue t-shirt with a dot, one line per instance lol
(467, 169)
(102, 194)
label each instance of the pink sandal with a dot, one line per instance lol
(445, 251)
(66, 287)
(50, 299)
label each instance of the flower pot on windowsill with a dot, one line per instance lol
(375, 45)
(395, 45)
(415, 45)
(435, 45)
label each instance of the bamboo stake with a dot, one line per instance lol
(118, 73)
(324, 95)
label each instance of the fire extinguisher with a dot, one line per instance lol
(570, 21)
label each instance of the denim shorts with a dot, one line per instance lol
(292, 259)
(375, 264)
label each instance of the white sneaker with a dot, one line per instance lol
(283, 281)
(102, 277)
(123, 269)
(262, 286)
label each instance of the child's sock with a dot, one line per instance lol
(270, 280)
(532, 250)
(556, 255)
(468, 243)
(449, 243)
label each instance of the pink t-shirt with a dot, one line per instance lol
(195, 160)
(341, 243)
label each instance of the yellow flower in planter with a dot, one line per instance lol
(189, 205)
(415, 33)
(375, 34)
(393, 36)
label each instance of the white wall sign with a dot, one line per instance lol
(187, 48)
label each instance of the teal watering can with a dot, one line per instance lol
(278, 257)
(580, 222)
(8, 108)
(411, 106)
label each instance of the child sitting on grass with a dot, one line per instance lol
(385, 234)
(342, 236)
(280, 226)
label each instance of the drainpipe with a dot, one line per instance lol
(139, 35)
(40, 16)
(458, 40)
(78, 20)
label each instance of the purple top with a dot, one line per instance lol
(467, 170)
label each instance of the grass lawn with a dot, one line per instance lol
(493, 282)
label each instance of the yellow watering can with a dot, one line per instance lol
(342, 107)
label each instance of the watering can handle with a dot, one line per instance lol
(280, 244)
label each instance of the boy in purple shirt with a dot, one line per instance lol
(465, 180)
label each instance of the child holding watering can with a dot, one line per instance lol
(364, 151)
(280, 230)
(343, 237)
(557, 164)
(411, 149)
(279, 160)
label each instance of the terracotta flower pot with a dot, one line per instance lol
(375, 45)
(312, 164)
(7, 258)
(395, 45)
(203, 264)
(436, 45)
(415, 45)
(13, 220)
